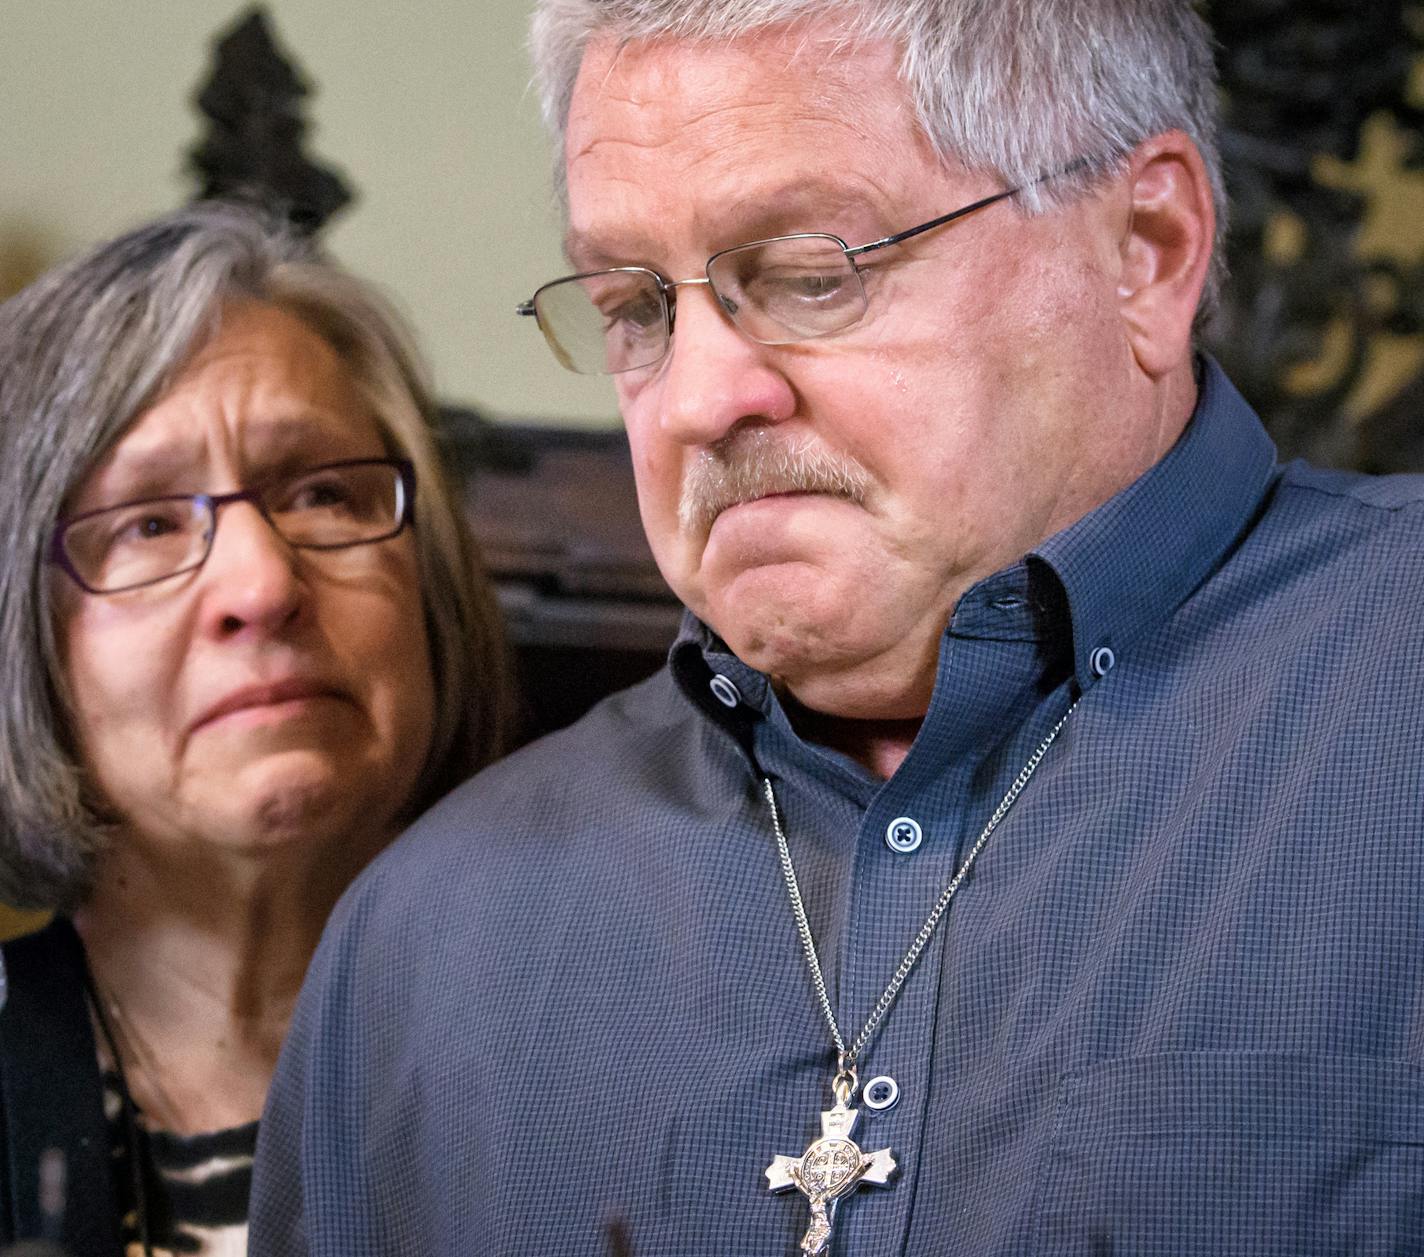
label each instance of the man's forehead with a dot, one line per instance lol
(654, 93)
(758, 136)
(808, 57)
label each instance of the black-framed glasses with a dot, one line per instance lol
(329, 507)
(776, 291)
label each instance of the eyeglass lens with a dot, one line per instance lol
(327, 507)
(776, 291)
(605, 322)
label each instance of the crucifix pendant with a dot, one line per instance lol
(832, 1166)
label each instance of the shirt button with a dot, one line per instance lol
(724, 691)
(1103, 661)
(904, 834)
(880, 1093)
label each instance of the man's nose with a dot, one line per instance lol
(715, 376)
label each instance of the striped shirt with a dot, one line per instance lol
(195, 1187)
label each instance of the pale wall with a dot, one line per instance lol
(425, 106)
(427, 109)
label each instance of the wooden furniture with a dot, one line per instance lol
(556, 515)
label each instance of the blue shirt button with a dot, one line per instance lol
(724, 691)
(880, 1093)
(904, 834)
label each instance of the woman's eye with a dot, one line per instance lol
(316, 494)
(155, 526)
(145, 523)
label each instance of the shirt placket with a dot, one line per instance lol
(911, 842)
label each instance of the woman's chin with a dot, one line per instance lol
(293, 799)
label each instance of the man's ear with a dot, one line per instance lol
(1166, 250)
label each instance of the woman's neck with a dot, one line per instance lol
(198, 963)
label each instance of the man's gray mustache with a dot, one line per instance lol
(757, 464)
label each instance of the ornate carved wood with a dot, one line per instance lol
(253, 147)
(1302, 79)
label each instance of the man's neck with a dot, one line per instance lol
(878, 745)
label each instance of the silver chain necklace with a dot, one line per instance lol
(833, 1165)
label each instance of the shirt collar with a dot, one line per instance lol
(1123, 568)
(1130, 563)
(699, 657)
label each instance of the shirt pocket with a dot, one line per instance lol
(1235, 1153)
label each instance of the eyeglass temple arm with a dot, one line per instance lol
(933, 223)
(1070, 168)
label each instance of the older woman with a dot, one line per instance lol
(245, 641)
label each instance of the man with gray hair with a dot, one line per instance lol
(1021, 852)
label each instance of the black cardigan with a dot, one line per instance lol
(51, 1095)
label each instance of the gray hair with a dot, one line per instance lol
(1019, 88)
(86, 349)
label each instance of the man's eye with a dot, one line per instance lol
(639, 314)
(809, 286)
(625, 305)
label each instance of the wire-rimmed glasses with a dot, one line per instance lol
(329, 507)
(776, 291)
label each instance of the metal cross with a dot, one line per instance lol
(833, 1166)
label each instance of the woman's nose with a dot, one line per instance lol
(250, 578)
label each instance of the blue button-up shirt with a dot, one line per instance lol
(1177, 1008)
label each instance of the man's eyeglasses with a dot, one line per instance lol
(330, 507)
(776, 291)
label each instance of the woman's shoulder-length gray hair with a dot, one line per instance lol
(83, 351)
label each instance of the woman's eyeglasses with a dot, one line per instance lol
(329, 507)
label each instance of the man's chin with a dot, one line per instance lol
(776, 623)
(765, 576)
